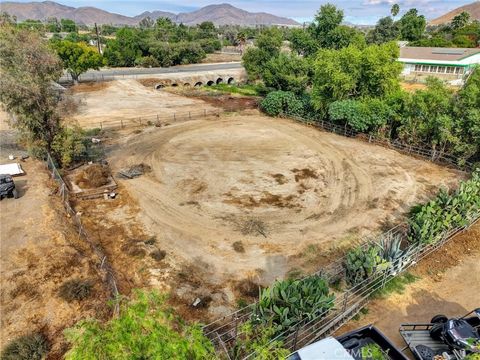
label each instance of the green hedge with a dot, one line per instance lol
(283, 103)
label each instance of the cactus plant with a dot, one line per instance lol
(430, 221)
(363, 262)
(289, 302)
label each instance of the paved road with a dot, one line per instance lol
(120, 72)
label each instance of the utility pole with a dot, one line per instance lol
(98, 39)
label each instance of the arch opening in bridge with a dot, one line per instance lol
(174, 85)
(198, 84)
(159, 86)
(210, 83)
(219, 81)
(186, 85)
(231, 80)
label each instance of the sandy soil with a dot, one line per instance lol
(449, 284)
(212, 178)
(128, 99)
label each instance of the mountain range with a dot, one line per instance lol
(222, 14)
(473, 9)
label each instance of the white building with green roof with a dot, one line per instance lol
(450, 64)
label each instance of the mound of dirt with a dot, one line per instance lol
(93, 176)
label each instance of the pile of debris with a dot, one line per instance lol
(93, 176)
(134, 171)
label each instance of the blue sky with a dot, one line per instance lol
(356, 11)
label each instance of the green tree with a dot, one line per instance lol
(145, 329)
(28, 67)
(326, 20)
(125, 49)
(428, 118)
(302, 42)
(385, 30)
(412, 25)
(343, 36)
(351, 73)
(267, 47)
(460, 20)
(77, 58)
(466, 111)
(68, 25)
(287, 72)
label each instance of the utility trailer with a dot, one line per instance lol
(444, 338)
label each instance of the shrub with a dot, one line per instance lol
(69, 145)
(361, 263)
(289, 302)
(144, 329)
(283, 103)
(29, 347)
(75, 289)
(257, 340)
(147, 61)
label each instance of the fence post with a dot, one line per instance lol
(295, 338)
(345, 300)
(101, 127)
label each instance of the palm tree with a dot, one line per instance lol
(395, 10)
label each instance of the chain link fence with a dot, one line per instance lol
(104, 267)
(435, 156)
(157, 119)
(224, 331)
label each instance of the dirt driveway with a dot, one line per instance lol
(39, 251)
(449, 284)
(274, 185)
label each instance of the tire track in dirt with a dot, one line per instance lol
(206, 172)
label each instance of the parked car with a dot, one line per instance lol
(7, 187)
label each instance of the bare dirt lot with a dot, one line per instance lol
(238, 197)
(127, 99)
(449, 284)
(273, 185)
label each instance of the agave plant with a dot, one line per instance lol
(390, 250)
(289, 302)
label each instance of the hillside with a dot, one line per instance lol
(473, 9)
(81, 15)
(219, 14)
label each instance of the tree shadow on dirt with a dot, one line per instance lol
(429, 304)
